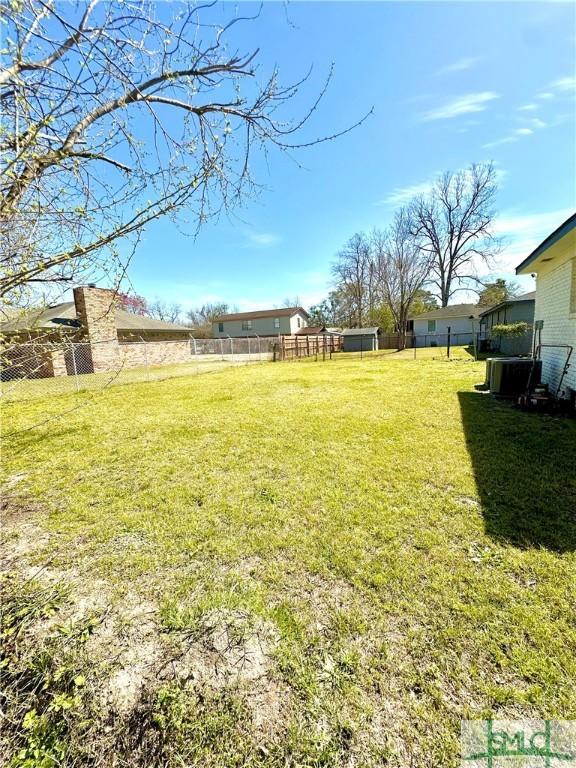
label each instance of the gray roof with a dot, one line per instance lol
(531, 296)
(360, 331)
(282, 312)
(62, 316)
(452, 310)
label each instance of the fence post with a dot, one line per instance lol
(73, 352)
(448, 343)
(248, 337)
(193, 340)
(231, 348)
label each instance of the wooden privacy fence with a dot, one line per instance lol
(294, 347)
(392, 340)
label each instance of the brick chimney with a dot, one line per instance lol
(95, 309)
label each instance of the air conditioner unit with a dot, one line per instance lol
(509, 376)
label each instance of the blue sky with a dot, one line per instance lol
(451, 83)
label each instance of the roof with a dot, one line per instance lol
(452, 310)
(311, 330)
(553, 238)
(512, 300)
(63, 316)
(283, 312)
(360, 331)
(316, 330)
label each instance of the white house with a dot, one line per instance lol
(554, 263)
(431, 328)
(264, 322)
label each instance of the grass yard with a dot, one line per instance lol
(296, 564)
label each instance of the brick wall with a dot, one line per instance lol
(134, 355)
(96, 311)
(553, 306)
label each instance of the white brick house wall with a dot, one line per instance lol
(556, 307)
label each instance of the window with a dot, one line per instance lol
(246, 325)
(431, 326)
(220, 327)
(276, 322)
(298, 322)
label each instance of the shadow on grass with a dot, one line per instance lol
(525, 470)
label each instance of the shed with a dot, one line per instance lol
(360, 339)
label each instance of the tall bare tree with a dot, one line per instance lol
(402, 268)
(454, 227)
(354, 277)
(114, 114)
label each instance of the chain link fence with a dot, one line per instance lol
(42, 368)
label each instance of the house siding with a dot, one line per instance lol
(556, 307)
(460, 329)
(515, 312)
(261, 326)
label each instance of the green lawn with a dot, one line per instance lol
(292, 564)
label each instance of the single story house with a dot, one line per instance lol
(360, 339)
(70, 318)
(265, 322)
(518, 309)
(430, 329)
(554, 263)
(96, 335)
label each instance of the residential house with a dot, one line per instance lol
(87, 335)
(554, 263)
(519, 309)
(265, 322)
(73, 318)
(430, 329)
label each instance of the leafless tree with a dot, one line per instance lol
(402, 268)
(291, 301)
(207, 313)
(114, 114)
(354, 277)
(454, 227)
(170, 312)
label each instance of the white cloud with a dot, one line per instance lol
(529, 107)
(498, 142)
(524, 232)
(564, 84)
(535, 122)
(402, 195)
(471, 102)
(545, 95)
(263, 239)
(459, 66)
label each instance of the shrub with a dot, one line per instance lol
(510, 329)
